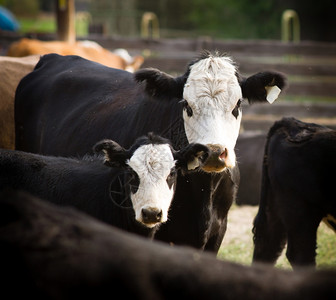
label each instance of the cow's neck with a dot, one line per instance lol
(164, 117)
(197, 199)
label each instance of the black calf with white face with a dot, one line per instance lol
(152, 164)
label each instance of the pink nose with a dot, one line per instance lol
(217, 160)
(224, 154)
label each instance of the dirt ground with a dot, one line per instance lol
(237, 244)
(240, 221)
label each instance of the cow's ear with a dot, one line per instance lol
(160, 84)
(114, 154)
(192, 157)
(263, 86)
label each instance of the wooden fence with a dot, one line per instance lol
(309, 66)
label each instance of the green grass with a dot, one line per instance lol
(240, 250)
(47, 24)
(28, 25)
(326, 250)
(237, 252)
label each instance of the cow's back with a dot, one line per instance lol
(86, 49)
(63, 95)
(299, 155)
(296, 165)
(297, 191)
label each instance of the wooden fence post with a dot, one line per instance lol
(65, 17)
(290, 26)
(147, 19)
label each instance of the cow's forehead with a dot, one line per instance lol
(154, 160)
(222, 66)
(212, 78)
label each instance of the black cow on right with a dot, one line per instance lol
(297, 191)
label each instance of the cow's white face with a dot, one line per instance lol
(154, 166)
(212, 115)
(211, 93)
(149, 169)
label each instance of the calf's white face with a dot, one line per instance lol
(150, 167)
(153, 164)
(212, 115)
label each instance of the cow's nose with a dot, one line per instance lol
(151, 215)
(224, 154)
(218, 159)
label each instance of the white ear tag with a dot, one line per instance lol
(272, 93)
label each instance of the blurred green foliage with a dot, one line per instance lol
(237, 18)
(230, 19)
(29, 8)
(244, 19)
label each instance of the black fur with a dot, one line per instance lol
(48, 252)
(67, 104)
(158, 84)
(297, 191)
(86, 183)
(253, 87)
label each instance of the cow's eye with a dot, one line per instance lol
(187, 108)
(171, 178)
(236, 110)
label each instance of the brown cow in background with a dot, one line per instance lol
(120, 59)
(12, 69)
(22, 57)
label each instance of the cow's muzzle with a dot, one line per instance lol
(151, 216)
(219, 159)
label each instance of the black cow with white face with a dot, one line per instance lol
(68, 103)
(297, 191)
(131, 189)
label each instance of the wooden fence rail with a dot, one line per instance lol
(310, 66)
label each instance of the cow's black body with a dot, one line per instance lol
(297, 190)
(250, 151)
(85, 184)
(49, 252)
(67, 104)
(68, 97)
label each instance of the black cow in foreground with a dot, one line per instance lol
(53, 252)
(297, 191)
(68, 103)
(131, 189)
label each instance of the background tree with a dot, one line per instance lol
(22, 7)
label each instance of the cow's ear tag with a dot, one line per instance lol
(272, 93)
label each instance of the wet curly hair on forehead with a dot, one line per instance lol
(150, 138)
